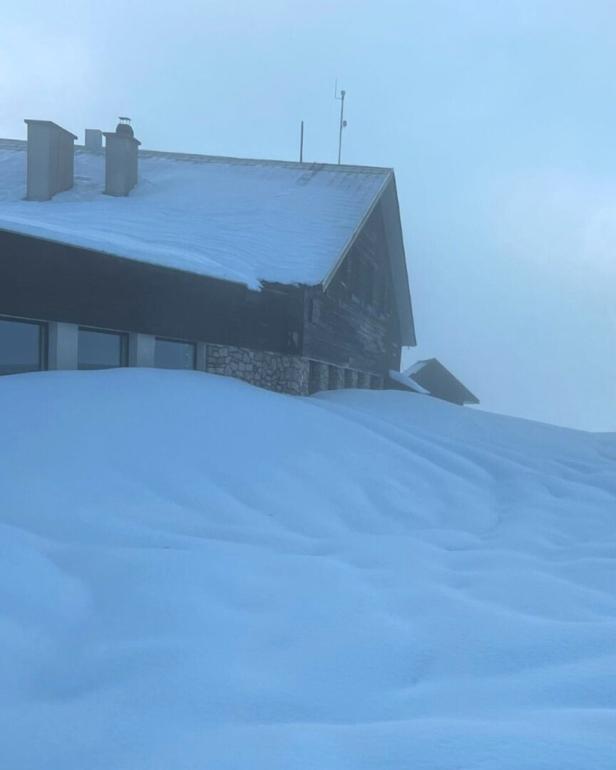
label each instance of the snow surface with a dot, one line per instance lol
(195, 573)
(240, 220)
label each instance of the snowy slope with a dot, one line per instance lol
(198, 574)
(240, 220)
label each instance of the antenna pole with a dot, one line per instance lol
(343, 122)
(301, 142)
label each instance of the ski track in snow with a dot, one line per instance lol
(195, 573)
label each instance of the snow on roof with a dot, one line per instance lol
(240, 220)
(414, 369)
(403, 378)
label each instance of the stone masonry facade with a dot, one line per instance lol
(284, 374)
(272, 371)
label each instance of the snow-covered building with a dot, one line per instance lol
(289, 275)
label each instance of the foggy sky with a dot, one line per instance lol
(498, 117)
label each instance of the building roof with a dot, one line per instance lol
(241, 220)
(247, 221)
(436, 379)
(430, 377)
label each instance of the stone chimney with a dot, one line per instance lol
(121, 158)
(94, 140)
(51, 155)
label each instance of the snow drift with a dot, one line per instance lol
(195, 573)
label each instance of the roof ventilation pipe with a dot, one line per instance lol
(121, 159)
(51, 160)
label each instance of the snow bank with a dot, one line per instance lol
(198, 574)
(239, 220)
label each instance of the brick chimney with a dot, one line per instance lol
(51, 154)
(121, 159)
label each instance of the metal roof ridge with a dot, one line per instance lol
(202, 158)
(230, 159)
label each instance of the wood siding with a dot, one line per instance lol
(50, 281)
(354, 322)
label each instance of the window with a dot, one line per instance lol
(345, 277)
(314, 377)
(368, 278)
(314, 310)
(101, 349)
(364, 279)
(171, 354)
(383, 297)
(355, 277)
(22, 346)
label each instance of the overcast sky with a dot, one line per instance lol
(498, 117)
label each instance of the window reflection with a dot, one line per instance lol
(170, 354)
(101, 350)
(21, 346)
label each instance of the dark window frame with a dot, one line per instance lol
(313, 376)
(383, 297)
(314, 310)
(355, 280)
(124, 344)
(370, 283)
(192, 343)
(364, 282)
(43, 339)
(345, 278)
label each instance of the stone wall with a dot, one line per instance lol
(284, 374)
(273, 371)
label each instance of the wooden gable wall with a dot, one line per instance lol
(354, 322)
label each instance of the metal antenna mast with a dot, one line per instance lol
(343, 122)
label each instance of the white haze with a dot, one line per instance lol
(499, 118)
